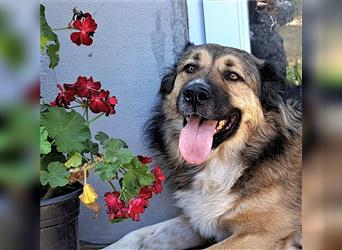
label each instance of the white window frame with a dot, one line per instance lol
(225, 22)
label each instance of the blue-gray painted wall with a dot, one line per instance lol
(134, 44)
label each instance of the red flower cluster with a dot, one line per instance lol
(88, 93)
(116, 208)
(86, 26)
(158, 178)
(144, 159)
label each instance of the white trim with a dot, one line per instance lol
(196, 21)
(224, 22)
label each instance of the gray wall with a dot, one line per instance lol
(134, 44)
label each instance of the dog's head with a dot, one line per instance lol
(218, 95)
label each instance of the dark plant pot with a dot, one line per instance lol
(59, 221)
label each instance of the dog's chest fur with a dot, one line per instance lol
(209, 197)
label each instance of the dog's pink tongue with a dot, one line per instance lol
(195, 140)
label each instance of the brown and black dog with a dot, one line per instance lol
(229, 131)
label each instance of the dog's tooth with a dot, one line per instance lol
(221, 125)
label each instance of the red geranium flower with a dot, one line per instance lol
(112, 200)
(98, 102)
(157, 187)
(136, 207)
(87, 27)
(65, 97)
(159, 177)
(86, 87)
(158, 174)
(115, 207)
(145, 193)
(144, 159)
(112, 101)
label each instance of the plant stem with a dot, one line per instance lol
(66, 28)
(87, 116)
(95, 118)
(75, 106)
(49, 193)
(111, 184)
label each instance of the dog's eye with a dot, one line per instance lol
(191, 68)
(231, 76)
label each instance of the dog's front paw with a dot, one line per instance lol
(136, 240)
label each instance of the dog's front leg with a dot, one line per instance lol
(171, 234)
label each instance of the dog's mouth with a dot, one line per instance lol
(199, 135)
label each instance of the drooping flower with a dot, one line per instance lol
(115, 207)
(136, 207)
(159, 177)
(144, 159)
(112, 101)
(89, 195)
(65, 97)
(157, 187)
(112, 201)
(158, 174)
(145, 193)
(86, 26)
(86, 87)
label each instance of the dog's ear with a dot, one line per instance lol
(272, 87)
(187, 46)
(168, 81)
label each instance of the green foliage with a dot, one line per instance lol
(107, 170)
(56, 175)
(45, 145)
(54, 155)
(115, 155)
(294, 73)
(119, 159)
(136, 176)
(48, 40)
(91, 147)
(68, 129)
(12, 43)
(74, 161)
(117, 220)
(101, 137)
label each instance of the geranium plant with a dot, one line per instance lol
(69, 153)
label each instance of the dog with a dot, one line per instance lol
(228, 129)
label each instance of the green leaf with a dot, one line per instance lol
(74, 161)
(141, 171)
(57, 175)
(110, 155)
(117, 220)
(125, 155)
(43, 42)
(68, 129)
(52, 156)
(52, 50)
(127, 194)
(123, 143)
(101, 137)
(146, 179)
(48, 40)
(113, 144)
(129, 180)
(91, 147)
(107, 171)
(45, 145)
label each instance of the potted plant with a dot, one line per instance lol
(69, 152)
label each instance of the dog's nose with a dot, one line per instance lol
(196, 93)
